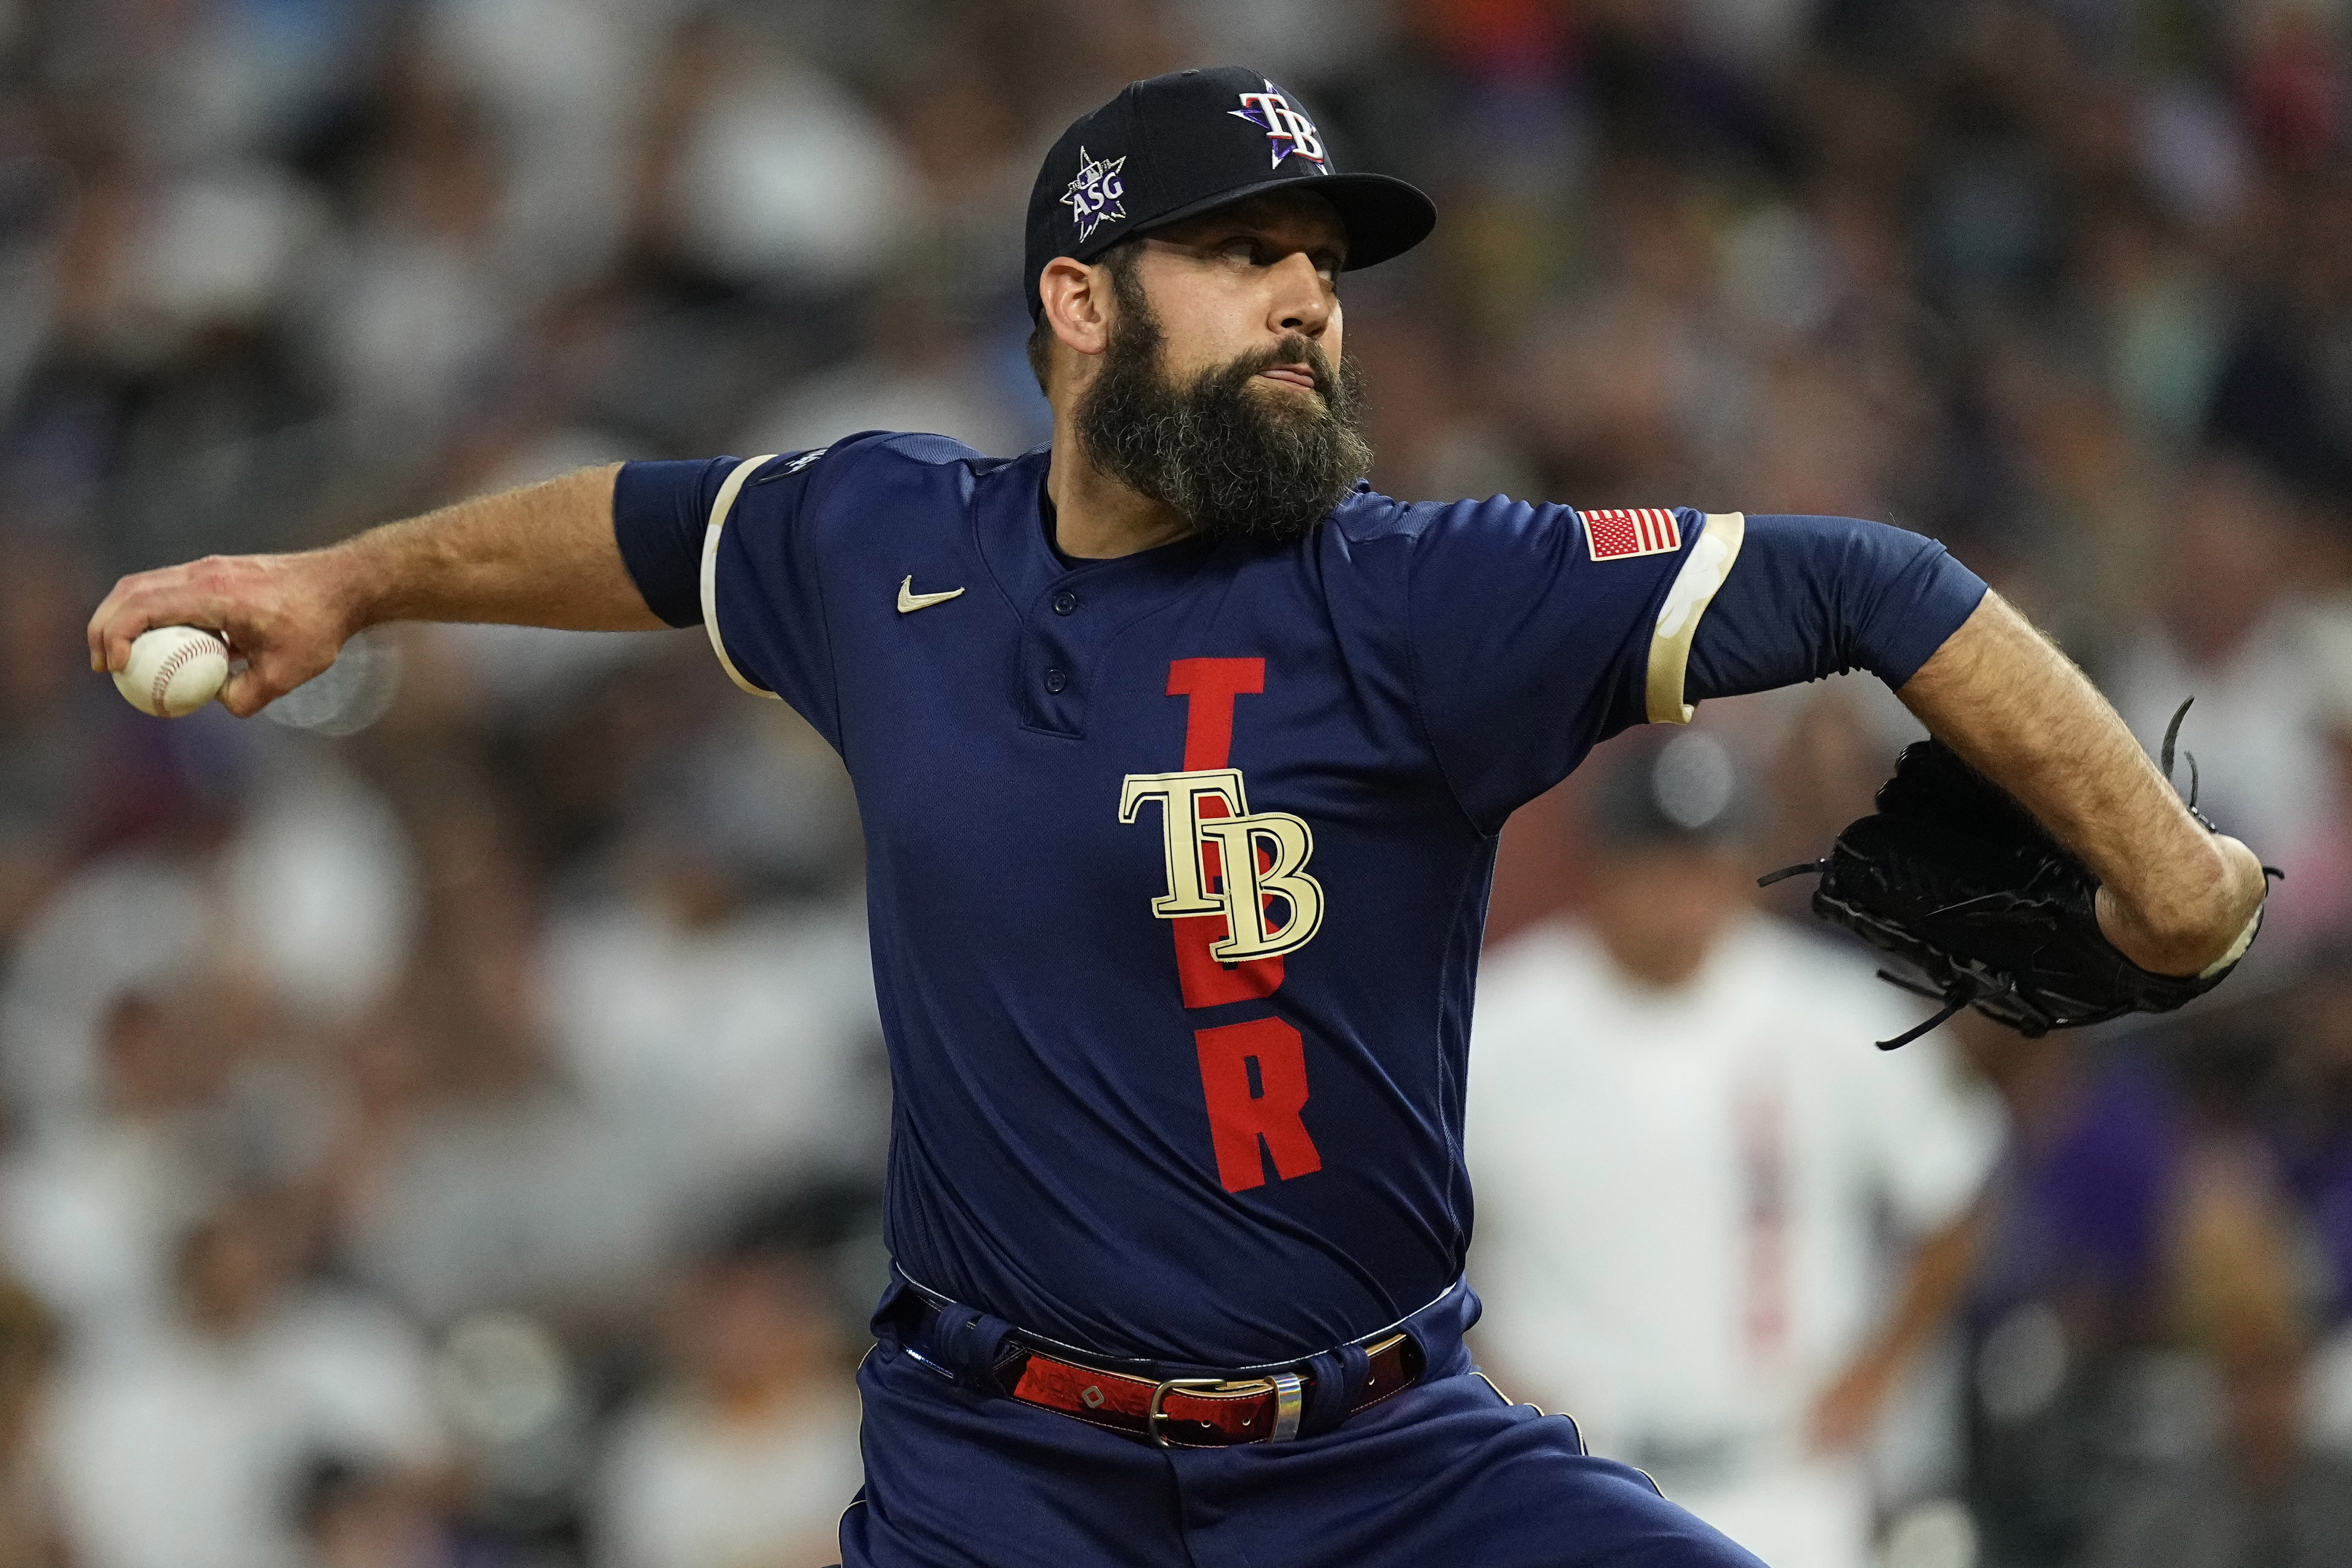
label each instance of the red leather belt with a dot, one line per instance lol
(1202, 1412)
(1194, 1412)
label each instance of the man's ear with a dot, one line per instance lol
(1078, 303)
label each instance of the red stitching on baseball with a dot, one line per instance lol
(173, 662)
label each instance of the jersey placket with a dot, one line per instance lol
(1068, 624)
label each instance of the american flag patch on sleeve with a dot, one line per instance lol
(1618, 533)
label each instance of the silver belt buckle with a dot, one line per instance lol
(1289, 1404)
(1152, 1415)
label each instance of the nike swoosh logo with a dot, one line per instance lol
(910, 601)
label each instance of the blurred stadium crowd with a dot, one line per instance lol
(442, 1118)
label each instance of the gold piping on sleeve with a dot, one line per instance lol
(1704, 570)
(718, 511)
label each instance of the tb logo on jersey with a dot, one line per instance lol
(1238, 898)
(1259, 855)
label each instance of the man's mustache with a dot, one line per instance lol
(1292, 350)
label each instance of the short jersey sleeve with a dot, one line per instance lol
(760, 592)
(1538, 631)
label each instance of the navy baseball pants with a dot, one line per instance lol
(1447, 1472)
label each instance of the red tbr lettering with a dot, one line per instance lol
(1239, 1120)
(1208, 981)
(1208, 686)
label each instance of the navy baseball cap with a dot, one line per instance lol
(1177, 145)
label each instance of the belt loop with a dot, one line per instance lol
(1335, 1380)
(969, 1342)
(887, 1313)
(1438, 1331)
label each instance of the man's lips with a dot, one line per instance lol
(1297, 375)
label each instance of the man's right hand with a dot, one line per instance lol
(285, 616)
(543, 556)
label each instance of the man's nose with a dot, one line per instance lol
(1301, 302)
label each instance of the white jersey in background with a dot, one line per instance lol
(1681, 1196)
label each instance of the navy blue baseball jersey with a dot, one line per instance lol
(1178, 862)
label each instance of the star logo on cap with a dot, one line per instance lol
(1097, 195)
(1287, 129)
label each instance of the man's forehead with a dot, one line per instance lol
(1300, 217)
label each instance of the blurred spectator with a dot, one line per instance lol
(724, 1040)
(1684, 1151)
(1828, 746)
(2311, 1114)
(183, 1446)
(1303, 40)
(296, 885)
(353, 1516)
(49, 724)
(776, 175)
(2322, 899)
(923, 375)
(746, 1454)
(30, 1531)
(2228, 631)
(2268, 1497)
(131, 921)
(2126, 1245)
(2279, 397)
(562, 85)
(416, 312)
(2310, 1126)
(88, 1220)
(488, 1183)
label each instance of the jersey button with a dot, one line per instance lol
(1055, 681)
(1064, 602)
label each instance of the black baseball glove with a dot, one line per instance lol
(1958, 882)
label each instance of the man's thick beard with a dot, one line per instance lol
(1236, 460)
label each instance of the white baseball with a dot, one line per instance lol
(174, 671)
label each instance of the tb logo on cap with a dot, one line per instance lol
(1287, 129)
(1097, 195)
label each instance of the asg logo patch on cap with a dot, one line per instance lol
(1287, 129)
(1097, 195)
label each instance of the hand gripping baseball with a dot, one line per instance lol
(282, 616)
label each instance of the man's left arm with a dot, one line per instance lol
(1812, 595)
(2173, 898)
